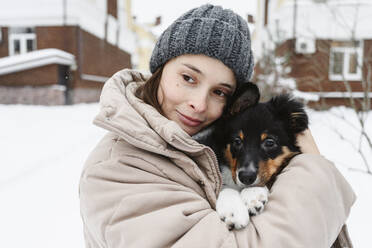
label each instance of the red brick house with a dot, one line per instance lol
(61, 53)
(326, 45)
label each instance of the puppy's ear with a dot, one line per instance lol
(245, 96)
(290, 111)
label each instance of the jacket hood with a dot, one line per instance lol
(142, 126)
(138, 123)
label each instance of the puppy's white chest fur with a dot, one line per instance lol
(235, 204)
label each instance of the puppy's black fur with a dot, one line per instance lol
(254, 141)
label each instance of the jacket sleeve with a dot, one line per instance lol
(125, 206)
(308, 205)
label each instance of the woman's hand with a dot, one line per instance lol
(307, 143)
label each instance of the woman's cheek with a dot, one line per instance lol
(217, 111)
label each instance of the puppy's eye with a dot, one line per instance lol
(237, 142)
(269, 143)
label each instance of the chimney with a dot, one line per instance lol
(250, 19)
(157, 21)
(266, 20)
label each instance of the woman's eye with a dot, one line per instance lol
(188, 79)
(220, 93)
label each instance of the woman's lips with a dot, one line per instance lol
(189, 121)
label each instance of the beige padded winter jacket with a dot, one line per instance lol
(148, 184)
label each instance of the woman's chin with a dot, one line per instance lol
(189, 130)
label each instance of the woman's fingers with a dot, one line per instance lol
(307, 143)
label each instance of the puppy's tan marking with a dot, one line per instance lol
(263, 136)
(268, 168)
(241, 135)
(232, 162)
(297, 114)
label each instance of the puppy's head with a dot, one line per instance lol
(259, 138)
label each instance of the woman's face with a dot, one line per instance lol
(193, 90)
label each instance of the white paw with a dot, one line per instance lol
(231, 209)
(255, 198)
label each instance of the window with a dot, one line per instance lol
(346, 61)
(21, 40)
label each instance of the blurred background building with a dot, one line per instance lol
(64, 50)
(322, 49)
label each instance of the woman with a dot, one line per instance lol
(149, 184)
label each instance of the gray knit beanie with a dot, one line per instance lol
(210, 30)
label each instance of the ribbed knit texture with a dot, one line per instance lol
(210, 30)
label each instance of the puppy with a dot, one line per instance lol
(253, 142)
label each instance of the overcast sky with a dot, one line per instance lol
(146, 10)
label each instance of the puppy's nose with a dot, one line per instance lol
(247, 177)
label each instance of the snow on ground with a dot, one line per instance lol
(325, 126)
(43, 150)
(42, 153)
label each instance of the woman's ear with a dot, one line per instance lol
(245, 96)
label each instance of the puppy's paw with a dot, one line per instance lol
(231, 209)
(255, 198)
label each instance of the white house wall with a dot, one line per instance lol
(127, 39)
(90, 15)
(259, 33)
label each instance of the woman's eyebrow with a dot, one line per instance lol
(227, 85)
(193, 68)
(201, 73)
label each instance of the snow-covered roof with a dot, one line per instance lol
(35, 59)
(89, 15)
(316, 19)
(329, 19)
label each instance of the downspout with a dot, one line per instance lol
(64, 10)
(106, 21)
(78, 58)
(266, 13)
(65, 75)
(294, 24)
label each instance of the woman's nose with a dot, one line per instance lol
(199, 103)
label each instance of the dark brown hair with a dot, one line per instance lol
(148, 92)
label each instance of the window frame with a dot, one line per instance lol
(347, 51)
(22, 37)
